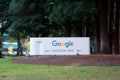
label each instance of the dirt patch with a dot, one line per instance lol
(81, 60)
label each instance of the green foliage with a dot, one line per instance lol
(29, 17)
(26, 7)
(16, 6)
(11, 40)
(72, 11)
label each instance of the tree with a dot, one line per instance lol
(28, 19)
(3, 18)
(112, 12)
(19, 35)
(59, 15)
(102, 8)
(107, 26)
(117, 28)
(67, 13)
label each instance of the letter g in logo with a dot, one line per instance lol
(54, 43)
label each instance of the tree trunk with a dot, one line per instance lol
(112, 11)
(0, 44)
(82, 27)
(117, 28)
(20, 47)
(68, 29)
(97, 29)
(103, 16)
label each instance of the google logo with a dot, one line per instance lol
(60, 43)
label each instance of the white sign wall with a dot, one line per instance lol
(60, 46)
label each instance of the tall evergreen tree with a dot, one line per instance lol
(117, 28)
(28, 19)
(102, 6)
(67, 13)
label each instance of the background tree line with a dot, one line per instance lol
(97, 19)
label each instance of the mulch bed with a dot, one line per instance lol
(81, 60)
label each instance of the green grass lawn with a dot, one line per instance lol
(10, 71)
